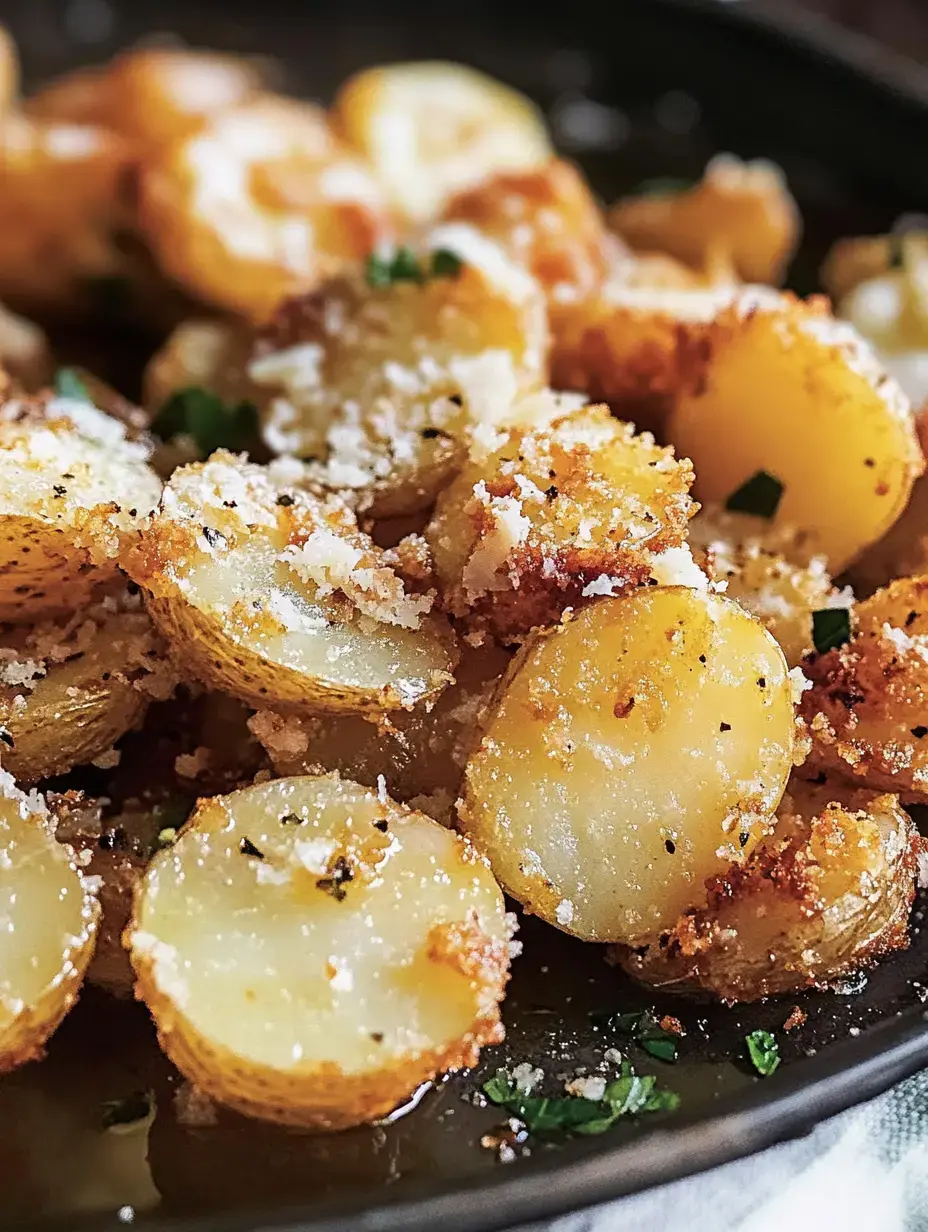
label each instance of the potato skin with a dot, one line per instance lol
(828, 893)
(594, 505)
(867, 707)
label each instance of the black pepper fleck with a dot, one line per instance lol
(247, 848)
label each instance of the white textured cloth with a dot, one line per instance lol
(863, 1171)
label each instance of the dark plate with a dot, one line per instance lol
(644, 88)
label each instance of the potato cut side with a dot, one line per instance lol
(867, 710)
(378, 386)
(432, 128)
(740, 213)
(49, 922)
(71, 486)
(634, 751)
(794, 393)
(554, 515)
(260, 203)
(272, 594)
(771, 573)
(828, 893)
(369, 950)
(69, 689)
(418, 755)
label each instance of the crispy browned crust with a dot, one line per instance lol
(826, 896)
(867, 712)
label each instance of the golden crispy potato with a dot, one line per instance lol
(868, 705)
(431, 129)
(71, 486)
(787, 390)
(419, 755)
(382, 384)
(554, 515)
(25, 351)
(770, 571)
(203, 353)
(548, 222)
(115, 850)
(371, 951)
(634, 751)
(272, 594)
(828, 893)
(50, 920)
(740, 211)
(65, 194)
(262, 203)
(9, 70)
(69, 689)
(151, 95)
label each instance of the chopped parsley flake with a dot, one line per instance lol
(831, 627)
(138, 1106)
(626, 1095)
(661, 185)
(69, 385)
(446, 264)
(166, 837)
(642, 1028)
(764, 1052)
(403, 265)
(212, 423)
(760, 495)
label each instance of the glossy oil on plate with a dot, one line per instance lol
(655, 91)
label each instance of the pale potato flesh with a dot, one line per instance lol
(433, 128)
(47, 927)
(793, 392)
(320, 981)
(634, 751)
(228, 587)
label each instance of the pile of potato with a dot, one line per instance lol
(434, 620)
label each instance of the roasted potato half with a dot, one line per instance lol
(770, 572)
(371, 951)
(419, 755)
(867, 709)
(828, 893)
(49, 915)
(740, 212)
(431, 129)
(71, 486)
(25, 351)
(261, 203)
(203, 353)
(69, 689)
(790, 391)
(272, 594)
(633, 752)
(380, 384)
(554, 515)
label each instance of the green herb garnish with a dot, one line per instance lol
(69, 385)
(760, 495)
(445, 263)
(764, 1052)
(642, 1028)
(831, 627)
(166, 838)
(661, 185)
(627, 1095)
(404, 266)
(139, 1106)
(212, 423)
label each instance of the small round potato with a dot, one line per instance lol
(71, 486)
(379, 384)
(799, 395)
(828, 893)
(771, 573)
(554, 515)
(204, 353)
(633, 753)
(741, 212)
(419, 755)
(262, 203)
(867, 710)
(369, 946)
(272, 594)
(49, 926)
(70, 689)
(431, 129)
